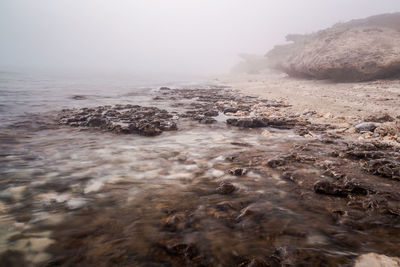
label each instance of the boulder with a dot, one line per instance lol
(347, 55)
(358, 50)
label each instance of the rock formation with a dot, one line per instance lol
(359, 50)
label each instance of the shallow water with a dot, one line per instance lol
(76, 196)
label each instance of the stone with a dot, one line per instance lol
(383, 167)
(366, 126)
(328, 188)
(276, 161)
(359, 50)
(380, 118)
(347, 55)
(121, 119)
(238, 171)
(226, 188)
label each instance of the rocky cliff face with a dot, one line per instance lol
(359, 50)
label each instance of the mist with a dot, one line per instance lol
(158, 36)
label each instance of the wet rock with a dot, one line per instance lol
(340, 190)
(13, 258)
(277, 161)
(355, 188)
(328, 188)
(276, 122)
(207, 120)
(376, 260)
(121, 119)
(96, 122)
(383, 167)
(247, 123)
(175, 222)
(226, 188)
(150, 130)
(366, 126)
(182, 249)
(211, 113)
(230, 110)
(238, 171)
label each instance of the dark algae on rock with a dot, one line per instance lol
(124, 119)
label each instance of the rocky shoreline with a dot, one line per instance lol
(280, 189)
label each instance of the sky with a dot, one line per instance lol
(160, 36)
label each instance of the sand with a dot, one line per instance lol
(352, 101)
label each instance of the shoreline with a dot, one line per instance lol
(200, 177)
(353, 100)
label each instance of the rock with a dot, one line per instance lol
(366, 126)
(211, 113)
(163, 88)
(121, 119)
(388, 128)
(347, 52)
(149, 130)
(230, 110)
(207, 120)
(238, 171)
(96, 122)
(379, 118)
(247, 123)
(340, 190)
(226, 188)
(259, 122)
(328, 188)
(383, 167)
(376, 260)
(276, 161)
(182, 249)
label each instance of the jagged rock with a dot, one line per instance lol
(383, 167)
(121, 119)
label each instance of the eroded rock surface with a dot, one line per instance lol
(121, 119)
(359, 50)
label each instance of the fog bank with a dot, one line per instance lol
(174, 36)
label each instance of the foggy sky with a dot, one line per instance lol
(187, 36)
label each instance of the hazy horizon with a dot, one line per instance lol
(156, 36)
